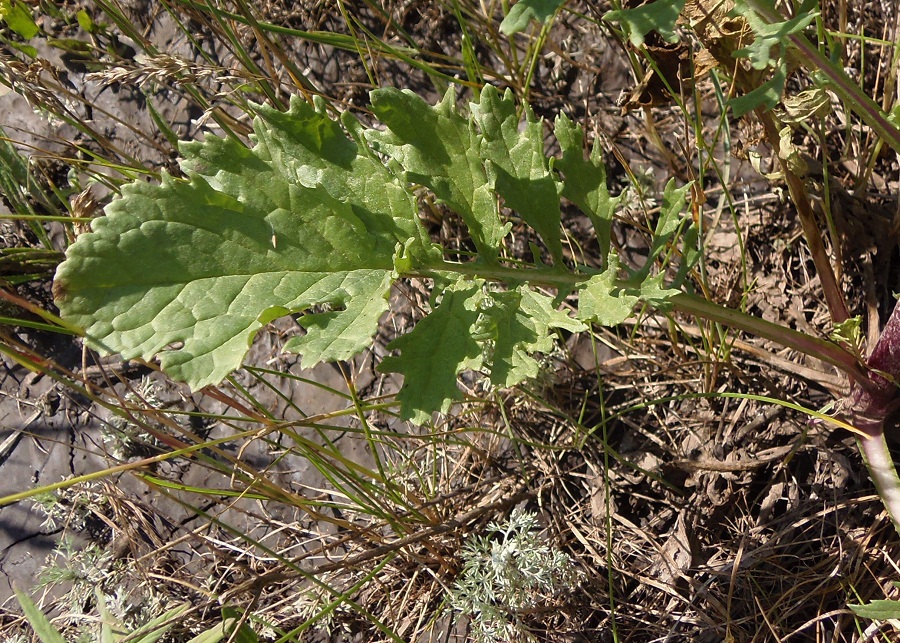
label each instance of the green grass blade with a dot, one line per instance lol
(36, 618)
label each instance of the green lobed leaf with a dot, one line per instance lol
(766, 95)
(672, 225)
(435, 351)
(669, 225)
(524, 11)
(255, 233)
(600, 300)
(768, 35)
(312, 150)
(759, 53)
(521, 323)
(438, 148)
(659, 16)
(654, 292)
(848, 332)
(336, 335)
(691, 253)
(311, 217)
(585, 180)
(472, 329)
(516, 164)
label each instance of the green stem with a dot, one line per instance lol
(819, 348)
(822, 349)
(883, 473)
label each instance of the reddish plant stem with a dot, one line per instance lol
(834, 298)
(870, 408)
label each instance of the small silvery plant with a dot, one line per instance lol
(123, 438)
(506, 572)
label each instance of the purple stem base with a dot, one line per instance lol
(869, 408)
